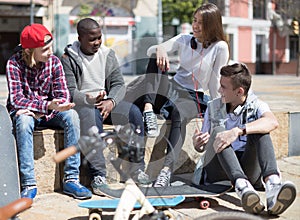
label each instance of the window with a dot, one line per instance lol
(220, 4)
(259, 9)
(231, 46)
(293, 47)
(287, 8)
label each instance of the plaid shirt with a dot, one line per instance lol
(33, 88)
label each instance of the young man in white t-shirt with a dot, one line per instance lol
(236, 137)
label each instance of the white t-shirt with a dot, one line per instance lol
(93, 68)
(203, 63)
(92, 79)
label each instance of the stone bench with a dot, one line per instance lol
(49, 175)
(46, 143)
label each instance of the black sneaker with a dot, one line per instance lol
(96, 183)
(163, 178)
(141, 178)
(150, 121)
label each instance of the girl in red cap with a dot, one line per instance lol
(38, 96)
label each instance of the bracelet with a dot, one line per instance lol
(114, 102)
(243, 128)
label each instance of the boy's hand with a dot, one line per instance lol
(105, 107)
(200, 139)
(96, 100)
(225, 138)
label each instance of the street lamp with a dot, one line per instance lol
(31, 12)
(160, 25)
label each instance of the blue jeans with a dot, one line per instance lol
(122, 114)
(24, 126)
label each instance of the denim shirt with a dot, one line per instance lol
(217, 115)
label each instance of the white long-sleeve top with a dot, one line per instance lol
(203, 63)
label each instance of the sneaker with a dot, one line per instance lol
(150, 121)
(96, 183)
(74, 188)
(163, 178)
(250, 199)
(141, 178)
(29, 192)
(279, 196)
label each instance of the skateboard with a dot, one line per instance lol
(200, 193)
(96, 207)
(9, 176)
(10, 202)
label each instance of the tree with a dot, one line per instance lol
(180, 9)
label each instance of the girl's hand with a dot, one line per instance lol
(162, 59)
(57, 105)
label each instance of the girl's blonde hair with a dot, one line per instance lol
(28, 57)
(28, 54)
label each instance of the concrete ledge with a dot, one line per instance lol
(281, 134)
(46, 143)
(49, 175)
(156, 150)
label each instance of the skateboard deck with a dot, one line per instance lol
(96, 207)
(178, 188)
(9, 171)
(108, 204)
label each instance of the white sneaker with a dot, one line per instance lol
(150, 121)
(163, 178)
(250, 199)
(279, 196)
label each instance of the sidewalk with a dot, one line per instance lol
(282, 93)
(56, 206)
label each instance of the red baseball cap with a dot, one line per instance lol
(33, 36)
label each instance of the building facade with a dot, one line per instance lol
(260, 34)
(259, 31)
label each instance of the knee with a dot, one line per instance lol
(72, 118)
(176, 118)
(24, 123)
(135, 111)
(256, 138)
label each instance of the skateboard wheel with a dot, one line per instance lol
(204, 204)
(95, 216)
(168, 214)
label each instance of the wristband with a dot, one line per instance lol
(243, 128)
